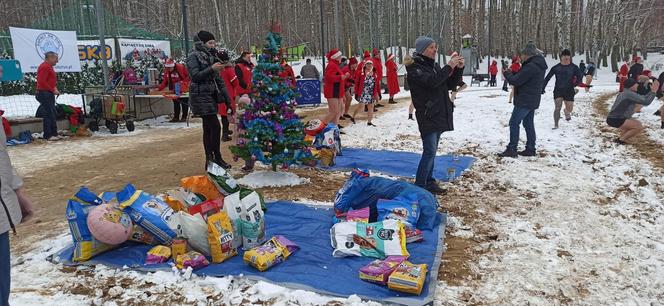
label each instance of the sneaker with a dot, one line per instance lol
(435, 189)
(410, 117)
(348, 116)
(379, 105)
(351, 119)
(618, 141)
(174, 120)
(342, 118)
(527, 152)
(226, 138)
(370, 124)
(568, 118)
(392, 102)
(54, 138)
(509, 153)
(340, 126)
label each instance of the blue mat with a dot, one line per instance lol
(311, 268)
(403, 164)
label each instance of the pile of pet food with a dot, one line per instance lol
(380, 230)
(325, 140)
(206, 220)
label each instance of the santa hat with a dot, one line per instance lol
(366, 54)
(647, 73)
(375, 52)
(352, 60)
(334, 54)
(369, 62)
(390, 57)
(169, 63)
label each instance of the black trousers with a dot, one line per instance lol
(211, 136)
(181, 103)
(492, 82)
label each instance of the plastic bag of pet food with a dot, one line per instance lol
(354, 215)
(192, 228)
(151, 213)
(158, 254)
(78, 207)
(201, 186)
(408, 278)
(140, 235)
(413, 234)
(326, 157)
(207, 208)
(378, 240)
(348, 192)
(270, 253)
(398, 209)
(223, 180)
(220, 237)
(252, 223)
(191, 259)
(378, 271)
(185, 196)
(174, 203)
(233, 208)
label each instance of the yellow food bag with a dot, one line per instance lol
(220, 237)
(174, 203)
(270, 253)
(201, 185)
(158, 254)
(408, 278)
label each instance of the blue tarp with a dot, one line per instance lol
(311, 268)
(403, 164)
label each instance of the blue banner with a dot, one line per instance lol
(309, 92)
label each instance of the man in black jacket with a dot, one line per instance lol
(429, 86)
(568, 76)
(528, 93)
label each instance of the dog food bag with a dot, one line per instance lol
(191, 259)
(408, 278)
(234, 209)
(174, 203)
(378, 271)
(378, 240)
(151, 213)
(78, 207)
(413, 234)
(252, 221)
(270, 253)
(193, 228)
(359, 215)
(223, 180)
(185, 196)
(220, 237)
(158, 254)
(398, 209)
(140, 235)
(207, 208)
(201, 186)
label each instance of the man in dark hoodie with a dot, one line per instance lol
(568, 76)
(429, 85)
(527, 95)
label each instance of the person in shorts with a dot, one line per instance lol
(568, 75)
(620, 115)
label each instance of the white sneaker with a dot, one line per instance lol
(54, 138)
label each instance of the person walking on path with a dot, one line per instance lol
(620, 115)
(207, 89)
(429, 85)
(528, 93)
(367, 92)
(174, 74)
(568, 76)
(590, 73)
(334, 87)
(378, 67)
(493, 72)
(392, 78)
(47, 90)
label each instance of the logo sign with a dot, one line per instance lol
(89, 53)
(47, 42)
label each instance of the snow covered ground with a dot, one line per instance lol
(584, 224)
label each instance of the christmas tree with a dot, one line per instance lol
(270, 130)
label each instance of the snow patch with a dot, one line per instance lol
(260, 179)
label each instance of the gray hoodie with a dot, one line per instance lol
(623, 107)
(10, 212)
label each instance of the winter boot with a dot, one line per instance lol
(220, 161)
(527, 152)
(509, 153)
(410, 117)
(392, 101)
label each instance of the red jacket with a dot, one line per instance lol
(392, 78)
(359, 85)
(288, 74)
(230, 80)
(333, 85)
(515, 67)
(493, 69)
(179, 74)
(46, 77)
(351, 79)
(624, 69)
(378, 66)
(244, 73)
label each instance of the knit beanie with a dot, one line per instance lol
(530, 49)
(421, 43)
(205, 36)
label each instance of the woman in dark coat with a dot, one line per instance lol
(207, 89)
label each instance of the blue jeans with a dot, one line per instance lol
(4, 269)
(527, 116)
(47, 111)
(424, 175)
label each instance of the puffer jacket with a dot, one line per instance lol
(207, 89)
(429, 88)
(528, 82)
(10, 212)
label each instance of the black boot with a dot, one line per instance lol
(392, 101)
(508, 153)
(220, 161)
(527, 152)
(410, 117)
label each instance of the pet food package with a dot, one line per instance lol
(140, 235)
(184, 196)
(358, 215)
(413, 234)
(344, 196)
(78, 207)
(252, 221)
(191, 259)
(178, 247)
(193, 228)
(158, 254)
(223, 180)
(201, 186)
(270, 253)
(327, 156)
(398, 209)
(174, 203)
(378, 271)
(378, 240)
(207, 208)
(233, 208)
(151, 213)
(220, 237)
(408, 278)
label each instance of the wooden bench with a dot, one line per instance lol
(479, 78)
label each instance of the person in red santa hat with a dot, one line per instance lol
(334, 81)
(173, 74)
(351, 68)
(378, 66)
(231, 81)
(366, 91)
(392, 79)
